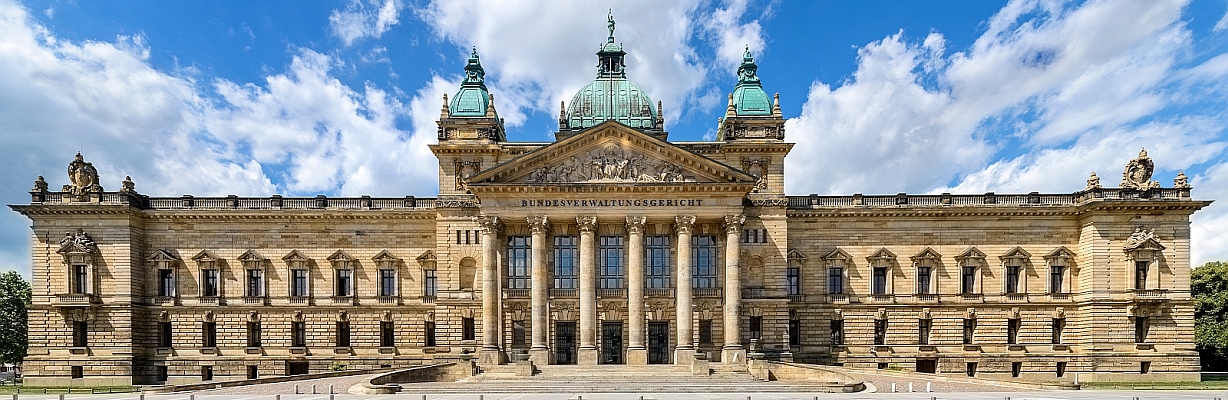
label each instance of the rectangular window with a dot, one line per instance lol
(1144, 367)
(208, 283)
(253, 372)
(612, 263)
(298, 282)
(971, 369)
(1059, 324)
(429, 333)
(81, 278)
(1140, 275)
(1012, 276)
(80, 334)
(923, 331)
(387, 282)
(430, 283)
(298, 334)
(458, 236)
(206, 372)
(166, 283)
(208, 334)
(705, 331)
(343, 334)
(78, 372)
(968, 280)
(1016, 368)
(837, 332)
(566, 260)
(756, 327)
(657, 262)
(164, 373)
(387, 335)
(164, 334)
(1141, 326)
(835, 280)
(880, 332)
(969, 330)
(345, 282)
(880, 280)
(923, 279)
(253, 334)
(793, 281)
(468, 331)
(1055, 278)
(518, 339)
(519, 253)
(1061, 369)
(1012, 331)
(703, 261)
(795, 332)
(255, 283)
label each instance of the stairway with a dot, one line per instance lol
(609, 379)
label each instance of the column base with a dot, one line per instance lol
(732, 355)
(540, 356)
(490, 357)
(684, 356)
(637, 356)
(587, 357)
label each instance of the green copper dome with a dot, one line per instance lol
(611, 97)
(749, 97)
(473, 98)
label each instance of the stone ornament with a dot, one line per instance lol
(40, 185)
(1093, 182)
(1137, 175)
(84, 177)
(1180, 182)
(465, 169)
(164, 316)
(733, 223)
(1141, 238)
(635, 224)
(684, 223)
(925, 314)
(538, 224)
(586, 224)
(128, 187)
(1014, 312)
(489, 224)
(78, 243)
(609, 165)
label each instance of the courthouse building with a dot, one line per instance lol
(611, 245)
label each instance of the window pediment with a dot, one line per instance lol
(971, 254)
(881, 255)
(205, 256)
(1017, 252)
(251, 256)
(163, 255)
(926, 254)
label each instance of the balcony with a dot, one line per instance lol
(882, 298)
(343, 300)
(564, 293)
(428, 299)
(254, 300)
(209, 300)
(612, 293)
(1150, 295)
(838, 298)
(162, 300)
(74, 299)
(659, 292)
(926, 298)
(300, 300)
(1015, 297)
(706, 292)
(972, 297)
(389, 300)
(1059, 297)
(515, 293)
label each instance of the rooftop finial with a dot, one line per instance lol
(610, 18)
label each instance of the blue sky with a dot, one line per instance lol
(340, 97)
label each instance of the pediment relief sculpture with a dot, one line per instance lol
(1143, 239)
(1138, 173)
(609, 165)
(77, 243)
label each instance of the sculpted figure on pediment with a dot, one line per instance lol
(608, 165)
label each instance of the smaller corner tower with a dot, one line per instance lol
(750, 114)
(471, 114)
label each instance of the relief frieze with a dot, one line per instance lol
(609, 165)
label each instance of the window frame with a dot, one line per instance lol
(611, 262)
(925, 327)
(705, 257)
(566, 269)
(254, 334)
(519, 268)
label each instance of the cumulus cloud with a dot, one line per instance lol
(1047, 94)
(364, 19)
(300, 132)
(532, 65)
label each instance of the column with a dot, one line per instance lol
(733, 352)
(587, 353)
(490, 353)
(539, 353)
(637, 354)
(684, 353)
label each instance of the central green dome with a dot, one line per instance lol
(611, 97)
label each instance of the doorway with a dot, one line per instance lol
(925, 366)
(611, 342)
(658, 342)
(296, 367)
(565, 342)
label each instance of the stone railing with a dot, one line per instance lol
(275, 202)
(815, 201)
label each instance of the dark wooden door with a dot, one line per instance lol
(564, 342)
(658, 342)
(611, 342)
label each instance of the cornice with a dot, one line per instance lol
(739, 189)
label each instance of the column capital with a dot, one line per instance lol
(733, 223)
(490, 224)
(684, 223)
(586, 223)
(635, 224)
(538, 223)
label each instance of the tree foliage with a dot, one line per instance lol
(14, 297)
(1209, 287)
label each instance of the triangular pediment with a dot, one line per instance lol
(385, 256)
(251, 256)
(838, 255)
(163, 255)
(340, 256)
(881, 254)
(972, 253)
(610, 153)
(1017, 252)
(1060, 252)
(926, 253)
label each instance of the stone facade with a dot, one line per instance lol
(585, 250)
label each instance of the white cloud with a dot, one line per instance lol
(362, 20)
(1047, 94)
(533, 65)
(175, 135)
(1222, 24)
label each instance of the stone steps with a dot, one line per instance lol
(610, 379)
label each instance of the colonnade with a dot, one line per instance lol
(539, 226)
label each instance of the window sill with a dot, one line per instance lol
(972, 347)
(342, 350)
(925, 348)
(1145, 346)
(162, 351)
(1016, 347)
(882, 347)
(78, 350)
(208, 350)
(298, 350)
(1061, 347)
(254, 350)
(387, 350)
(428, 350)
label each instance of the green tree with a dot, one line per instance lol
(14, 297)
(1209, 287)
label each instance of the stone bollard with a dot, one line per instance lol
(296, 389)
(142, 396)
(190, 397)
(927, 387)
(313, 388)
(277, 397)
(909, 387)
(330, 389)
(332, 397)
(61, 397)
(893, 388)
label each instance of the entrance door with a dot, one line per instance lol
(611, 342)
(296, 367)
(927, 366)
(564, 342)
(658, 342)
